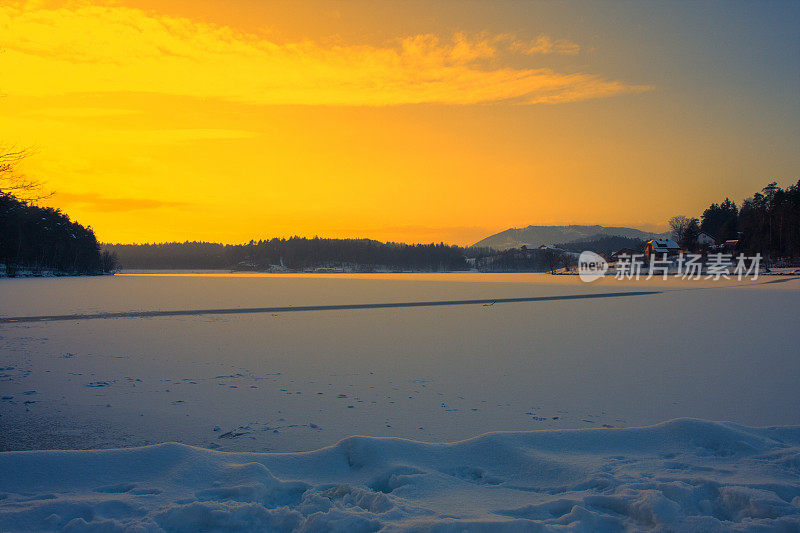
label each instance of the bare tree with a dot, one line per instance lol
(678, 225)
(16, 184)
(685, 230)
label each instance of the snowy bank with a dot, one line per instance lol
(683, 475)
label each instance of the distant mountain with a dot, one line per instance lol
(538, 235)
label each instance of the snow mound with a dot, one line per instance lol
(681, 475)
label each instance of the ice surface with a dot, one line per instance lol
(197, 290)
(240, 384)
(300, 381)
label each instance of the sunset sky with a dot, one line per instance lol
(407, 121)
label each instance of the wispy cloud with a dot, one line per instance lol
(544, 44)
(110, 48)
(100, 203)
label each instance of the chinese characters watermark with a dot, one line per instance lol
(592, 266)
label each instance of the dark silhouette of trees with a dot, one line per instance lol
(769, 222)
(524, 260)
(602, 244)
(42, 238)
(109, 262)
(477, 252)
(720, 221)
(296, 253)
(39, 238)
(690, 235)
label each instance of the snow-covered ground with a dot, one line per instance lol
(683, 475)
(581, 369)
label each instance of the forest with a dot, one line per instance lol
(293, 254)
(43, 239)
(767, 223)
(605, 244)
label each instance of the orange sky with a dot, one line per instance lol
(408, 121)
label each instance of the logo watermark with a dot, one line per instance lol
(592, 266)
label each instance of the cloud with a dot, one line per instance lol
(100, 203)
(546, 45)
(109, 48)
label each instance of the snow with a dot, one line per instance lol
(680, 475)
(664, 245)
(570, 396)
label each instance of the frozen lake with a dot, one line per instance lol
(293, 381)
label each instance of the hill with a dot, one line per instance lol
(538, 235)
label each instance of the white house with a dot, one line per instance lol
(661, 247)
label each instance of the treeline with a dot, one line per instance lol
(767, 223)
(296, 254)
(44, 239)
(602, 244)
(523, 260)
(174, 255)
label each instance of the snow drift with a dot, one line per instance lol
(684, 474)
